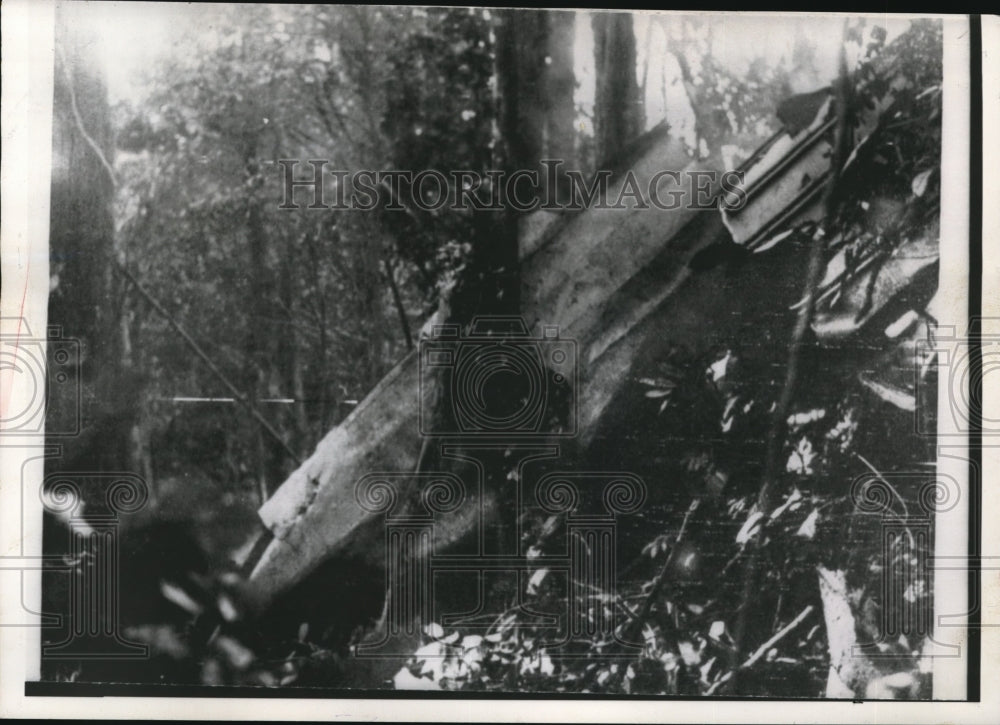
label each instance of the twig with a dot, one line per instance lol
(762, 650)
(397, 301)
(662, 576)
(880, 477)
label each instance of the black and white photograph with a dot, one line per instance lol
(498, 357)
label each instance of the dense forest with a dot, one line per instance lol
(223, 337)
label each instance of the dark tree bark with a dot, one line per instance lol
(85, 301)
(256, 367)
(560, 84)
(290, 367)
(521, 47)
(618, 112)
(536, 82)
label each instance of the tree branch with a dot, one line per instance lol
(661, 578)
(776, 434)
(79, 121)
(762, 650)
(398, 302)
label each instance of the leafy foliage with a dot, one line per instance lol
(363, 87)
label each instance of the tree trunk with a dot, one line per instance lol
(522, 40)
(618, 112)
(255, 366)
(536, 83)
(560, 85)
(292, 385)
(82, 303)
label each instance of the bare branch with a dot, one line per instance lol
(79, 121)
